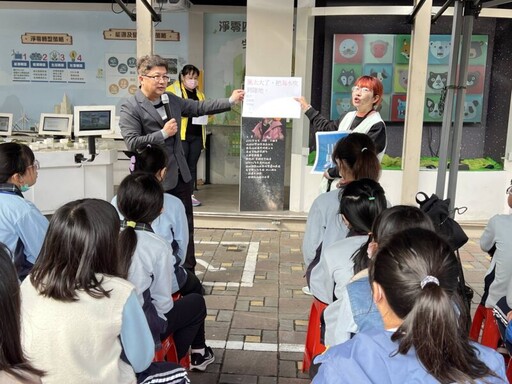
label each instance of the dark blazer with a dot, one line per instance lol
(141, 123)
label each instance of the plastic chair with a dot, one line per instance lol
(484, 329)
(313, 346)
(168, 353)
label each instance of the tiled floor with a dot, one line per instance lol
(257, 313)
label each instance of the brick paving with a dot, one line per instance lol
(257, 313)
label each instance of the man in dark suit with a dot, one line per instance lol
(144, 119)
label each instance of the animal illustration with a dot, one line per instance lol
(437, 80)
(379, 48)
(348, 48)
(343, 106)
(440, 49)
(405, 51)
(475, 49)
(347, 77)
(433, 109)
(403, 77)
(472, 79)
(470, 109)
(401, 109)
(379, 75)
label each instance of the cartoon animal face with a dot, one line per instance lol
(348, 48)
(405, 51)
(343, 105)
(403, 77)
(379, 75)
(437, 80)
(347, 77)
(433, 109)
(401, 109)
(440, 49)
(475, 49)
(472, 79)
(379, 48)
(470, 109)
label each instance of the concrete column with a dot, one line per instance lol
(196, 39)
(145, 31)
(415, 102)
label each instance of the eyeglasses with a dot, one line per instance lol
(509, 189)
(363, 89)
(36, 165)
(158, 77)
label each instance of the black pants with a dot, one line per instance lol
(192, 147)
(185, 321)
(183, 191)
(192, 285)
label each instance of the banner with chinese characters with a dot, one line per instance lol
(262, 164)
(224, 60)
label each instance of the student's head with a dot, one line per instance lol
(150, 158)
(18, 165)
(396, 219)
(11, 353)
(367, 93)
(361, 202)
(82, 241)
(189, 75)
(140, 199)
(414, 278)
(355, 157)
(153, 76)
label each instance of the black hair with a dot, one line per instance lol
(150, 158)
(357, 151)
(432, 314)
(189, 69)
(12, 359)
(140, 198)
(361, 201)
(14, 158)
(148, 62)
(81, 242)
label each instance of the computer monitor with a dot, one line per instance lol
(54, 124)
(94, 120)
(5, 124)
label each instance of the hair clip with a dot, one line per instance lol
(371, 198)
(429, 279)
(132, 163)
(131, 224)
(364, 149)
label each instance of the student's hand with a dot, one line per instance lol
(509, 316)
(171, 127)
(237, 96)
(304, 105)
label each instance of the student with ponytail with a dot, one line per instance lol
(414, 283)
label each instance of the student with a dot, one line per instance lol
(356, 159)
(22, 226)
(14, 367)
(354, 311)
(414, 278)
(78, 315)
(171, 223)
(362, 200)
(147, 261)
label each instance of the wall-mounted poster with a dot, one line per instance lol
(387, 58)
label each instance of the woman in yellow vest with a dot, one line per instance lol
(193, 136)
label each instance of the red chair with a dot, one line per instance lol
(313, 346)
(168, 353)
(509, 370)
(484, 329)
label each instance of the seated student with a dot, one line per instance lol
(354, 311)
(22, 225)
(79, 317)
(497, 236)
(362, 200)
(171, 224)
(147, 261)
(14, 367)
(414, 277)
(356, 159)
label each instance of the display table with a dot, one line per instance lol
(61, 180)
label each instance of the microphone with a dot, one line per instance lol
(165, 101)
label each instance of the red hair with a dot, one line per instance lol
(372, 83)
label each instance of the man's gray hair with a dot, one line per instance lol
(148, 62)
